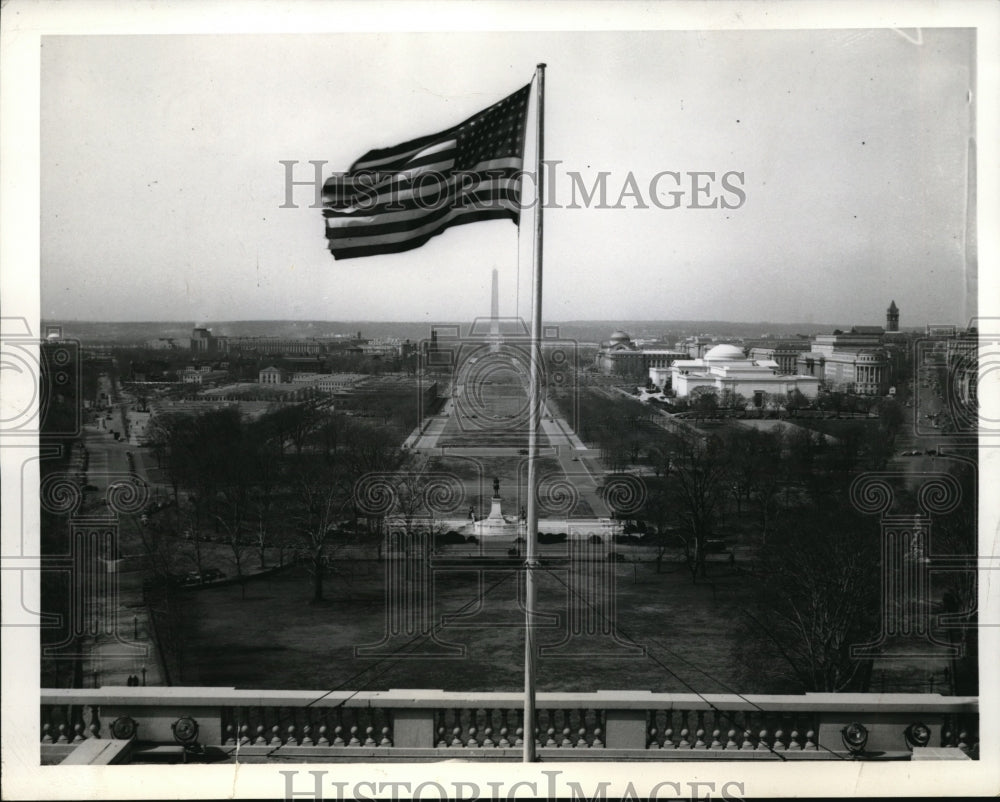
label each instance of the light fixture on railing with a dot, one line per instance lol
(917, 734)
(124, 728)
(185, 731)
(855, 736)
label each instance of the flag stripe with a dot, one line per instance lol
(421, 227)
(378, 247)
(430, 192)
(414, 219)
(343, 187)
(428, 198)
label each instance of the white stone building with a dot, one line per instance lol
(725, 368)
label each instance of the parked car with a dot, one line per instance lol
(211, 574)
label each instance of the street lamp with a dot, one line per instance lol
(144, 676)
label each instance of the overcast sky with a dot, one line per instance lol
(161, 181)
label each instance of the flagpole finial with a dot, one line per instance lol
(541, 65)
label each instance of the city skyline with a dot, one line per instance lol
(850, 200)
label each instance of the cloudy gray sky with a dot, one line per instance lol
(161, 182)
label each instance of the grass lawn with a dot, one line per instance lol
(493, 414)
(275, 638)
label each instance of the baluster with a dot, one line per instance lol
(441, 742)
(259, 741)
(963, 741)
(77, 733)
(46, 735)
(566, 742)
(581, 738)
(747, 740)
(519, 737)
(684, 742)
(651, 741)
(338, 736)
(354, 735)
(230, 736)
(456, 739)
(810, 745)
(503, 743)
(291, 739)
(716, 743)
(307, 735)
(664, 734)
(597, 742)
(62, 739)
(762, 745)
(488, 742)
(275, 737)
(699, 736)
(369, 741)
(793, 741)
(473, 741)
(731, 742)
(386, 739)
(946, 735)
(779, 744)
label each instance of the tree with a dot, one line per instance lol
(816, 593)
(322, 501)
(704, 401)
(754, 467)
(955, 534)
(695, 488)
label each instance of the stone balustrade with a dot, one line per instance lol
(254, 725)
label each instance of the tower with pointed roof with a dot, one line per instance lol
(892, 317)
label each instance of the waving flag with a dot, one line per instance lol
(395, 199)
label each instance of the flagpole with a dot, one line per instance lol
(534, 420)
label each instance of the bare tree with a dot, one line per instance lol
(695, 489)
(816, 585)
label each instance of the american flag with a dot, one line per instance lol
(395, 199)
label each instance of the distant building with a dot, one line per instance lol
(853, 362)
(892, 317)
(620, 356)
(270, 375)
(334, 382)
(169, 344)
(963, 367)
(270, 346)
(203, 341)
(724, 369)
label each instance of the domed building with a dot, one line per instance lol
(725, 369)
(619, 356)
